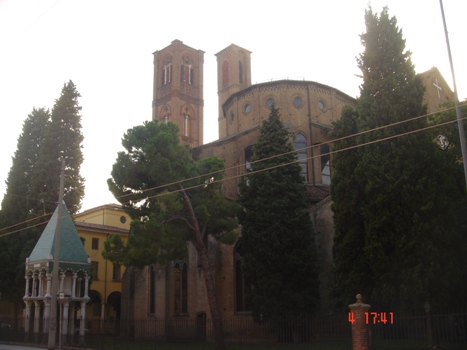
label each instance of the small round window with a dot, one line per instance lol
(297, 101)
(247, 108)
(270, 102)
(122, 219)
(321, 104)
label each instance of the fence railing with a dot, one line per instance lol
(329, 331)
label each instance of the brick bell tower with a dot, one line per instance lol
(178, 90)
(233, 74)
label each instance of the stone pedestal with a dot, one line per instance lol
(360, 332)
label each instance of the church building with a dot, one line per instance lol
(176, 290)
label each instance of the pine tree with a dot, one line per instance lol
(164, 222)
(402, 187)
(277, 233)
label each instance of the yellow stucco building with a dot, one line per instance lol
(96, 225)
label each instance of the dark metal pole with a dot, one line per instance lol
(460, 123)
(55, 281)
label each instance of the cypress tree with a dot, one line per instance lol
(18, 202)
(403, 187)
(277, 233)
(63, 141)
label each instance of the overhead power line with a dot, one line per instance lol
(269, 158)
(286, 153)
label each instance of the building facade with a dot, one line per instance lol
(95, 226)
(176, 291)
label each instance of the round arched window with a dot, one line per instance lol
(321, 104)
(297, 101)
(247, 108)
(269, 102)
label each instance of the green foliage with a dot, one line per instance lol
(63, 141)
(145, 179)
(395, 202)
(17, 204)
(33, 182)
(277, 234)
(149, 179)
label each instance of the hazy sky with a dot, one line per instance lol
(105, 47)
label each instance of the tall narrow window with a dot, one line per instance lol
(167, 73)
(95, 244)
(181, 288)
(152, 290)
(225, 73)
(299, 144)
(242, 287)
(187, 71)
(116, 272)
(240, 72)
(325, 164)
(186, 127)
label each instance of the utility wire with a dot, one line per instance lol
(286, 153)
(269, 158)
(37, 217)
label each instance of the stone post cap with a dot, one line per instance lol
(359, 304)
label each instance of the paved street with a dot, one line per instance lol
(16, 347)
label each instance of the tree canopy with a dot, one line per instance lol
(33, 182)
(394, 233)
(63, 140)
(18, 202)
(172, 200)
(277, 234)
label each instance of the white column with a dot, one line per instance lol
(49, 280)
(26, 289)
(46, 314)
(41, 286)
(27, 316)
(62, 280)
(86, 286)
(34, 281)
(37, 314)
(65, 322)
(73, 288)
(82, 323)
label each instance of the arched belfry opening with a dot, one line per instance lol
(164, 114)
(187, 127)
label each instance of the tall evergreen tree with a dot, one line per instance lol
(33, 182)
(401, 187)
(17, 204)
(63, 141)
(277, 233)
(347, 195)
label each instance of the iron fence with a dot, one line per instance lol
(330, 331)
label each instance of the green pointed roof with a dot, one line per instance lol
(72, 253)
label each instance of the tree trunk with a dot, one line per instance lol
(207, 273)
